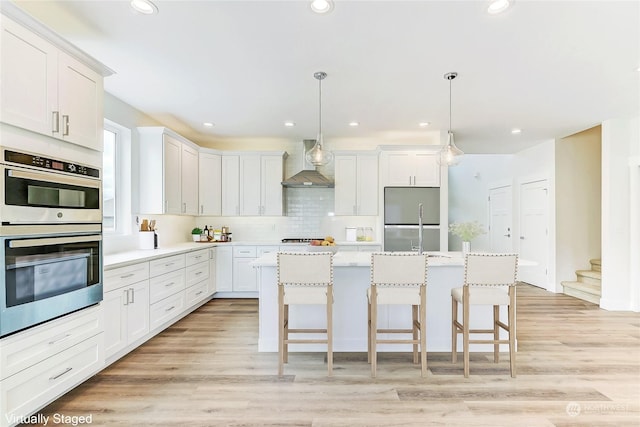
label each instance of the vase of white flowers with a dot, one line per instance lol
(466, 231)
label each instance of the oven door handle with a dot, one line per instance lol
(53, 177)
(29, 243)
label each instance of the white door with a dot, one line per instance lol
(210, 184)
(346, 178)
(250, 184)
(500, 224)
(189, 174)
(271, 185)
(230, 185)
(172, 176)
(367, 185)
(534, 232)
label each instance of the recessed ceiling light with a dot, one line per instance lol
(516, 131)
(423, 124)
(354, 124)
(289, 124)
(208, 124)
(144, 6)
(498, 6)
(321, 6)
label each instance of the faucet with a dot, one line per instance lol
(420, 228)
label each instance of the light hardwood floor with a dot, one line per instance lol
(577, 365)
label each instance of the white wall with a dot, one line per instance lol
(469, 184)
(620, 223)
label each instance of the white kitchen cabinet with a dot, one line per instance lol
(189, 174)
(261, 184)
(230, 185)
(224, 269)
(168, 172)
(210, 184)
(212, 286)
(126, 306)
(356, 184)
(410, 169)
(245, 277)
(44, 362)
(47, 91)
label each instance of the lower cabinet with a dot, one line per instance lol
(44, 362)
(126, 305)
(245, 277)
(224, 269)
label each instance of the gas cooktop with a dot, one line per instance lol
(300, 239)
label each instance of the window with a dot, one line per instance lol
(116, 179)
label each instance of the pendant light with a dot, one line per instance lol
(317, 156)
(451, 154)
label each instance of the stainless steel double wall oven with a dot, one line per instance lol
(50, 239)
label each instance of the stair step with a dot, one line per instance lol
(589, 276)
(596, 264)
(583, 291)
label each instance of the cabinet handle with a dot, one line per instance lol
(126, 276)
(55, 122)
(166, 206)
(126, 296)
(133, 296)
(198, 273)
(55, 340)
(169, 284)
(184, 208)
(169, 264)
(65, 125)
(201, 209)
(55, 377)
(170, 308)
(198, 293)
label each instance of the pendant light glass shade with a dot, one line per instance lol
(450, 154)
(318, 156)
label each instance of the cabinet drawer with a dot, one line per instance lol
(25, 349)
(32, 388)
(165, 285)
(244, 251)
(197, 273)
(196, 293)
(166, 265)
(124, 276)
(166, 309)
(197, 257)
(261, 250)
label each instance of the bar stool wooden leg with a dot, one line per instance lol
(281, 332)
(465, 333)
(414, 329)
(368, 332)
(496, 333)
(330, 331)
(286, 333)
(512, 330)
(454, 330)
(374, 332)
(423, 331)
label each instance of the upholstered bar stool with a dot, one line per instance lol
(489, 279)
(304, 278)
(398, 278)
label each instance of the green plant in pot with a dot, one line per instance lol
(195, 233)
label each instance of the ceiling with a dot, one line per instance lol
(551, 68)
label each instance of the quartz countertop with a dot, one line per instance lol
(122, 259)
(363, 259)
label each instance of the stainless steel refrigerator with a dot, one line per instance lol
(402, 216)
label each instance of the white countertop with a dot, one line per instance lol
(122, 259)
(363, 259)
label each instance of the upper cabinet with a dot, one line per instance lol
(356, 184)
(410, 169)
(261, 184)
(210, 184)
(251, 184)
(168, 173)
(46, 90)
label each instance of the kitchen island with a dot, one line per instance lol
(351, 275)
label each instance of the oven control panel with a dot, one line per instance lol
(51, 164)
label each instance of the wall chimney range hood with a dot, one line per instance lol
(308, 176)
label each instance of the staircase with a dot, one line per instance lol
(588, 285)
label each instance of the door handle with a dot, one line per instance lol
(65, 125)
(55, 122)
(521, 237)
(507, 235)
